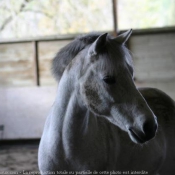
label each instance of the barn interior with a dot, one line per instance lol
(32, 32)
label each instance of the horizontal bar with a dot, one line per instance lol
(46, 38)
(151, 31)
(71, 37)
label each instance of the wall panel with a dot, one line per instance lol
(154, 61)
(47, 51)
(16, 64)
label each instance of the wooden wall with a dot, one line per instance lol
(153, 56)
(47, 51)
(16, 64)
(154, 61)
(24, 106)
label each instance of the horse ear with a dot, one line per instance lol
(98, 44)
(123, 37)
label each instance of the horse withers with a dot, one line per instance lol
(100, 121)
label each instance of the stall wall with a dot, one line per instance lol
(154, 61)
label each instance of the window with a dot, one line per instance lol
(30, 18)
(141, 14)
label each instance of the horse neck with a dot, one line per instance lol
(69, 116)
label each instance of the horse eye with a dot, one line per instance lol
(109, 80)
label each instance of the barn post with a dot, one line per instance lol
(115, 22)
(36, 63)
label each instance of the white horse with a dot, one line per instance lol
(100, 121)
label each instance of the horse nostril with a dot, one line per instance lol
(150, 128)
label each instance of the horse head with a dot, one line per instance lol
(103, 73)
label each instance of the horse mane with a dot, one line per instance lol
(67, 53)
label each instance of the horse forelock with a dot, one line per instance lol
(114, 55)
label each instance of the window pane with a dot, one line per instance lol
(139, 14)
(51, 17)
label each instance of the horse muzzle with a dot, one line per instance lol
(144, 133)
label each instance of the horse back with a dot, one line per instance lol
(161, 104)
(164, 109)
